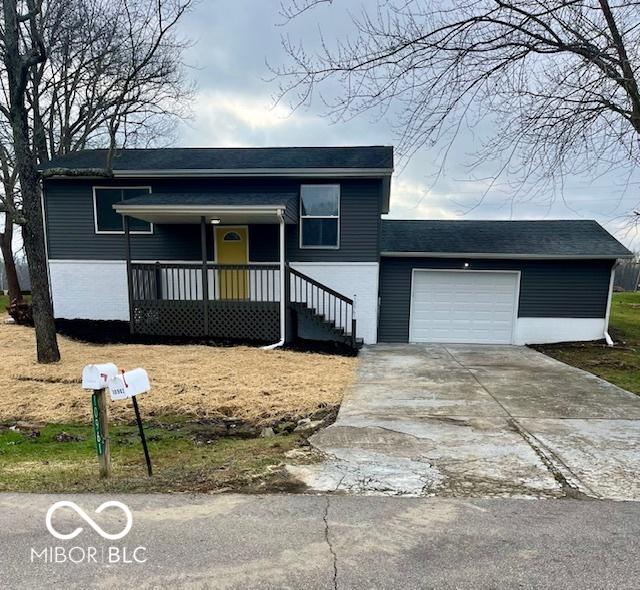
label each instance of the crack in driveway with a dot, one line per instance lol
(551, 461)
(334, 556)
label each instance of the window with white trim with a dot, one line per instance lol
(320, 216)
(107, 220)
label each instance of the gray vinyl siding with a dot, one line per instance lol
(555, 288)
(71, 234)
(264, 243)
(360, 210)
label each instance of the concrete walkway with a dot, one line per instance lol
(465, 420)
(322, 542)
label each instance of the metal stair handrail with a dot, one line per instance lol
(334, 307)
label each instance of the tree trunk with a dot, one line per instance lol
(17, 67)
(33, 236)
(6, 248)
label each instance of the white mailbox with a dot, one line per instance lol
(96, 376)
(128, 384)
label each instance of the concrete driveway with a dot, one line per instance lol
(469, 420)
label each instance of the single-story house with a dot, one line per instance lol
(274, 244)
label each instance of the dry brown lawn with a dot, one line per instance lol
(255, 385)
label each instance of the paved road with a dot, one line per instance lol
(465, 420)
(232, 541)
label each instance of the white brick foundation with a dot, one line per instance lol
(89, 289)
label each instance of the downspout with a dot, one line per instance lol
(283, 303)
(607, 337)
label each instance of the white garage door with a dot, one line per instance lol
(463, 306)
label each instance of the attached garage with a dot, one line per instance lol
(495, 282)
(463, 306)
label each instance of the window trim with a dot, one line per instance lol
(104, 232)
(336, 217)
(232, 232)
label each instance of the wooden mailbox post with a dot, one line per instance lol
(95, 378)
(99, 378)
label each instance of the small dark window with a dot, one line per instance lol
(319, 215)
(232, 236)
(107, 220)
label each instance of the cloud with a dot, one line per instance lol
(229, 117)
(412, 199)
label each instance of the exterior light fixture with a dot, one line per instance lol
(215, 221)
(466, 265)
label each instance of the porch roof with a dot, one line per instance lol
(227, 207)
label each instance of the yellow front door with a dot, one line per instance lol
(232, 249)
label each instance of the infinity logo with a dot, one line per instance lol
(89, 520)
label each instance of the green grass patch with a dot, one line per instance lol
(620, 364)
(4, 302)
(62, 458)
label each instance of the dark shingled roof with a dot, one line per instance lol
(230, 158)
(558, 238)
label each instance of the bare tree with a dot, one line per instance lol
(82, 73)
(9, 202)
(115, 75)
(19, 56)
(557, 79)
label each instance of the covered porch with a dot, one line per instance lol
(225, 296)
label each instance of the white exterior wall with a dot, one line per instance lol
(349, 279)
(550, 330)
(89, 289)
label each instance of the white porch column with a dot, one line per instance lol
(283, 301)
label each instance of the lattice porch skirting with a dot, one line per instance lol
(236, 320)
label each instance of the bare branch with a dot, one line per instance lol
(77, 74)
(556, 78)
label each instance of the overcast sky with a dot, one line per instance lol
(233, 40)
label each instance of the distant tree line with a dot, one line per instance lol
(628, 275)
(23, 275)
